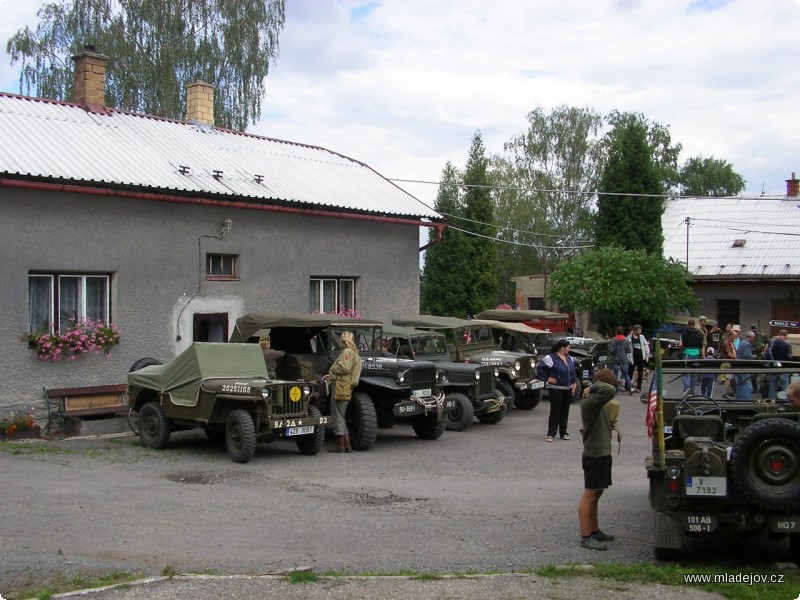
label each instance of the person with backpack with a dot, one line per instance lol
(620, 349)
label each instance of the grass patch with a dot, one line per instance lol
(169, 571)
(80, 582)
(426, 577)
(740, 583)
(303, 577)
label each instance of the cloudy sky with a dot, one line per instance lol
(403, 85)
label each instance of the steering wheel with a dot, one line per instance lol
(696, 404)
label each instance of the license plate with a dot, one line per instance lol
(404, 409)
(535, 385)
(425, 392)
(603, 358)
(449, 403)
(783, 523)
(586, 374)
(305, 430)
(706, 486)
(699, 523)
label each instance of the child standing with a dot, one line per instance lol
(707, 381)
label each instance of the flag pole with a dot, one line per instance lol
(660, 405)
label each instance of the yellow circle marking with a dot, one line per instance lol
(295, 394)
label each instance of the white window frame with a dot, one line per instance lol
(54, 300)
(328, 294)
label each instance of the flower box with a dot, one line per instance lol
(22, 434)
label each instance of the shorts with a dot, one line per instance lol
(596, 472)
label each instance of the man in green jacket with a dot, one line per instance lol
(596, 459)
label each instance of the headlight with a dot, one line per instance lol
(533, 363)
(306, 391)
(496, 372)
(441, 374)
(673, 472)
(477, 375)
(266, 393)
(517, 366)
(401, 377)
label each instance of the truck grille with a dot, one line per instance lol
(486, 383)
(282, 405)
(423, 378)
(526, 371)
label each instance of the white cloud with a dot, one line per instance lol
(402, 85)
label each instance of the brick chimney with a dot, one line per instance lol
(793, 186)
(90, 79)
(200, 103)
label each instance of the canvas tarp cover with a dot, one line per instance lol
(434, 322)
(249, 324)
(181, 376)
(520, 315)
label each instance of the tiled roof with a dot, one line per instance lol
(64, 142)
(736, 238)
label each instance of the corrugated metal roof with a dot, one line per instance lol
(56, 140)
(734, 237)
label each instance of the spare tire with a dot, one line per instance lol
(144, 362)
(765, 464)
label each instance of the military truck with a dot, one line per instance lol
(722, 465)
(471, 387)
(390, 388)
(225, 390)
(472, 341)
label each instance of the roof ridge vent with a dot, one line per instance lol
(739, 243)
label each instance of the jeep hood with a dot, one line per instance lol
(181, 377)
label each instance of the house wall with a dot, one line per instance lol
(156, 251)
(756, 302)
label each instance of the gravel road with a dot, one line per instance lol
(493, 498)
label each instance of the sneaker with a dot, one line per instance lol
(602, 536)
(565, 437)
(591, 543)
(549, 438)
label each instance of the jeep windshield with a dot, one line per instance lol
(366, 338)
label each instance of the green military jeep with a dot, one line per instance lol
(225, 390)
(472, 341)
(389, 389)
(470, 388)
(720, 464)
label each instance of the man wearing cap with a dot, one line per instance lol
(693, 345)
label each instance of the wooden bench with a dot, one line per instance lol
(82, 402)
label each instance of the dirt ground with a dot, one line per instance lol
(493, 498)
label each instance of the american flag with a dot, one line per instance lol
(652, 405)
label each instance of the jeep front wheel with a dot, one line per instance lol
(765, 464)
(311, 443)
(430, 426)
(527, 399)
(460, 416)
(362, 422)
(506, 389)
(153, 426)
(493, 418)
(240, 436)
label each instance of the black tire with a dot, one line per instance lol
(240, 436)
(527, 399)
(362, 422)
(311, 444)
(506, 389)
(430, 426)
(765, 464)
(153, 426)
(144, 362)
(493, 418)
(460, 417)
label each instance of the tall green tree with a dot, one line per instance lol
(156, 48)
(629, 206)
(446, 265)
(709, 177)
(479, 218)
(544, 190)
(623, 287)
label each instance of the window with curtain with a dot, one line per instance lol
(329, 294)
(58, 299)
